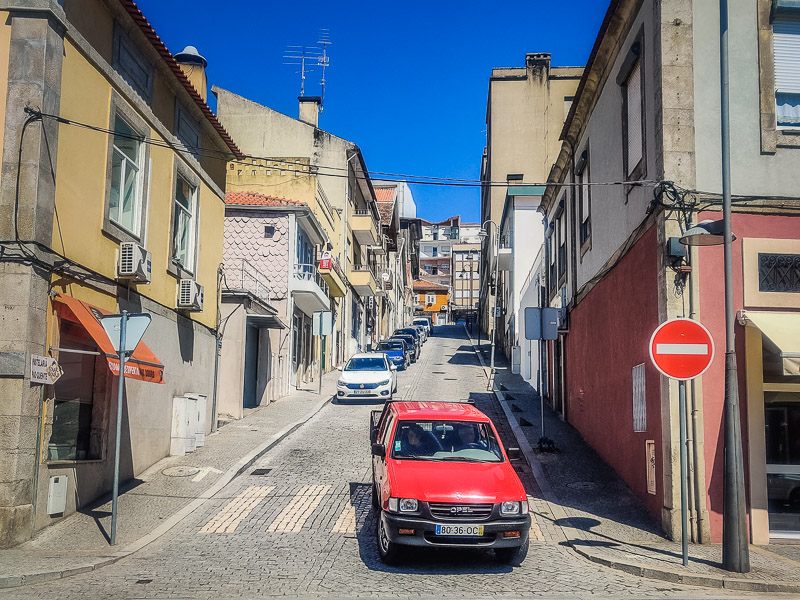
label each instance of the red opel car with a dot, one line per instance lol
(441, 478)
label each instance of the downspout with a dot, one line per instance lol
(217, 343)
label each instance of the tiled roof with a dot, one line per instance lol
(161, 48)
(384, 194)
(254, 199)
(424, 284)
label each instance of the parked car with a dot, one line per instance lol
(411, 331)
(426, 322)
(396, 351)
(368, 375)
(412, 343)
(408, 342)
(422, 331)
(442, 479)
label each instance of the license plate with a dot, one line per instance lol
(460, 530)
(362, 392)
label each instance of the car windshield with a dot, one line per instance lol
(458, 441)
(420, 322)
(390, 346)
(366, 364)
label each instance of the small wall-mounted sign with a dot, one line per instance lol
(45, 370)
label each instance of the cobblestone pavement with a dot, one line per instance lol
(299, 522)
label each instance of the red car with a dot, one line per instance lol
(441, 478)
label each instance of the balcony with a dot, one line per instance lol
(363, 226)
(243, 278)
(309, 290)
(334, 276)
(364, 280)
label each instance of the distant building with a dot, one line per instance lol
(433, 300)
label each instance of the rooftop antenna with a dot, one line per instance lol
(324, 61)
(304, 56)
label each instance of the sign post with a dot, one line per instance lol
(125, 331)
(682, 349)
(322, 325)
(541, 324)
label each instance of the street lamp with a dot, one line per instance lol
(484, 234)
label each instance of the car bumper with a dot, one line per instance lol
(382, 391)
(425, 532)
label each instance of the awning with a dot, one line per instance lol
(266, 321)
(142, 365)
(783, 330)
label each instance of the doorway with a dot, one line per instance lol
(250, 396)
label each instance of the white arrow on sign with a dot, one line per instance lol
(203, 472)
(698, 349)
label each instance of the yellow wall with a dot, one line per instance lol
(81, 194)
(439, 305)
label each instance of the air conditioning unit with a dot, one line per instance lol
(190, 295)
(135, 262)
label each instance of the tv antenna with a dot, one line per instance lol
(324, 60)
(306, 57)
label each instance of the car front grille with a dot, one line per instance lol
(362, 386)
(461, 512)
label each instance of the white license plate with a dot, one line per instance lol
(362, 392)
(460, 530)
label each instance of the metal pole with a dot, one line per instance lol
(120, 387)
(539, 380)
(684, 503)
(735, 550)
(321, 354)
(496, 291)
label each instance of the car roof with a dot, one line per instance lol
(445, 411)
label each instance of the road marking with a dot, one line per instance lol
(698, 349)
(294, 516)
(203, 472)
(235, 511)
(346, 523)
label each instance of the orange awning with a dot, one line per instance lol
(142, 365)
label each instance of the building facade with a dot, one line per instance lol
(117, 209)
(645, 115)
(432, 300)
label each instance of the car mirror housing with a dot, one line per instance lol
(513, 453)
(379, 450)
(393, 367)
(340, 368)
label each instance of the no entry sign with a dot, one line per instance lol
(681, 349)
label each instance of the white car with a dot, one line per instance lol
(425, 323)
(369, 375)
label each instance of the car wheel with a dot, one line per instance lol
(387, 550)
(512, 556)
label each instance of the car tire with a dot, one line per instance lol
(387, 550)
(512, 556)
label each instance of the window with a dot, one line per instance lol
(786, 40)
(183, 223)
(132, 65)
(435, 251)
(585, 202)
(562, 245)
(639, 399)
(634, 138)
(187, 130)
(430, 298)
(567, 105)
(125, 195)
(428, 250)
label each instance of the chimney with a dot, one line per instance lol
(194, 67)
(309, 109)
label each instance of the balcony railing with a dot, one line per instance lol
(242, 276)
(309, 273)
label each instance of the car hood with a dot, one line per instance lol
(363, 376)
(432, 481)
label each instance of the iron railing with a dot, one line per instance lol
(309, 272)
(242, 276)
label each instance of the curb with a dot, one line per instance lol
(659, 574)
(232, 473)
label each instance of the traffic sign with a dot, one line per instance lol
(681, 349)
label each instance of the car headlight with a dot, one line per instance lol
(510, 508)
(341, 383)
(403, 505)
(383, 382)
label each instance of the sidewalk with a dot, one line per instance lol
(159, 498)
(585, 505)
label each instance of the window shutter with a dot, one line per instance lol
(639, 399)
(787, 55)
(633, 91)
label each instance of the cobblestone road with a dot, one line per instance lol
(300, 523)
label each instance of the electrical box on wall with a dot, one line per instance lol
(57, 495)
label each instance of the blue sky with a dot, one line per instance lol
(407, 81)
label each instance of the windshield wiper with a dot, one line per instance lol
(465, 459)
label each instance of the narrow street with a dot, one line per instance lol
(300, 522)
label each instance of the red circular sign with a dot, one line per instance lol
(681, 349)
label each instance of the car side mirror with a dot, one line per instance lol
(379, 450)
(340, 368)
(393, 367)
(514, 453)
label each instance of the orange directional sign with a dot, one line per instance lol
(681, 349)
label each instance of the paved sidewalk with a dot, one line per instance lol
(585, 505)
(160, 497)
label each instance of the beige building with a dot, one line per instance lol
(466, 277)
(525, 112)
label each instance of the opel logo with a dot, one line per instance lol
(460, 510)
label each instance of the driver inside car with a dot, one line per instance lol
(469, 437)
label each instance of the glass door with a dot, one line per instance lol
(782, 435)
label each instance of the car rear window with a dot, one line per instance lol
(457, 441)
(390, 346)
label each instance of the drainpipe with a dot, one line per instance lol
(217, 343)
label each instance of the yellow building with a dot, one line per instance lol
(120, 206)
(432, 300)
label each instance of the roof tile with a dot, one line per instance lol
(254, 199)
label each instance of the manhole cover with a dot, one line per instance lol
(180, 471)
(450, 379)
(438, 372)
(585, 485)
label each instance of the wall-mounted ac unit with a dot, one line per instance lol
(190, 295)
(135, 262)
